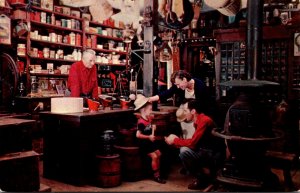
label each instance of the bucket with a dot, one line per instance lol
(131, 163)
(108, 171)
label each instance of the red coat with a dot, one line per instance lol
(83, 80)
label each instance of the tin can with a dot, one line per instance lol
(73, 24)
(69, 24)
(35, 52)
(58, 23)
(78, 39)
(52, 53)
(46, 52)
(77, 24)
(59, 38)
(21, 50)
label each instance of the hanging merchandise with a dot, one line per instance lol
(5, 23)
(163, 53)
(179, 13)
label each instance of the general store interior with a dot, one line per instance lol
(45, 146)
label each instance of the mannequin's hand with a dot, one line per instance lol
(152, 138)
(153, 98)
(170, 139)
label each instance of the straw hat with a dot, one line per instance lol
(140, 101)
(227, 7)
(180, 115)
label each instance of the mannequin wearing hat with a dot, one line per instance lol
(203, 153)
(187, 127)
(145, 134)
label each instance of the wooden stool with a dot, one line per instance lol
(284, 161)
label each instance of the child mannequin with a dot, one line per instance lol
(145, 134)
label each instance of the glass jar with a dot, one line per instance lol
(46, 52)
(21, 50)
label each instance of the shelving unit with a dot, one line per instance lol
(45, 34)
(275, 65)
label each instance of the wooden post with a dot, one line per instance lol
(149, 81)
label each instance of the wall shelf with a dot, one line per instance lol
(53, 43)
(54, 26)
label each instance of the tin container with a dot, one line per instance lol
(21, 50)
(46, 52)
(59, 38)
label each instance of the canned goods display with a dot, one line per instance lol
(21, 50)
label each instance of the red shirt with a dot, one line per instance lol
(83, 80)
(202, 123)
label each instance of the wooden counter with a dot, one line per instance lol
(71, 142)
(15, 135)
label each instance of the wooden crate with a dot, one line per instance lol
(15, 135)
(19, 172)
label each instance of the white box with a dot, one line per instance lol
(66, 105)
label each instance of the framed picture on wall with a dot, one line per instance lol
(5, 34)
(59, 89)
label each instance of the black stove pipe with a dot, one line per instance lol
(254, 37)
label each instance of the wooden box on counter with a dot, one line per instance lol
(19, 172)
(15, 135)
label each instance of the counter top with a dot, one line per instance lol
(89, 114)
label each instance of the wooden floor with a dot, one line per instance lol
(176, 182)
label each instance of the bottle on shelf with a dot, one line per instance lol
(74, 54)
(21, 89)
(72, 38)
(79, 55)
(52, 19)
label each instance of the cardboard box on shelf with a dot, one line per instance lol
(66, 10)
(47, 4)
(19, 14)
(58, 9)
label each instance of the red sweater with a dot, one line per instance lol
(202, 123)
(83, 80)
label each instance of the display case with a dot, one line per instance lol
(275, 64)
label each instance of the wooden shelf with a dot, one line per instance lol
(47, 28)
(106, 37)
(55, 13)
(18, 5)
(49, 75)
(53, 59)
(5, 9)
(59, 44)
(103, 25)
(109, 51)
(54, 26)
(110, 64)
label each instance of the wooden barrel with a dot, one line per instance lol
(127, 137)
(162, 122)
(131, 163)
(108, 171)
(172, 110)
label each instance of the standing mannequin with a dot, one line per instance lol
(82, 81)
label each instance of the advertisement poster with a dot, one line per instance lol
(5, 35)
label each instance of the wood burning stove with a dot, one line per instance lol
(248, 129)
